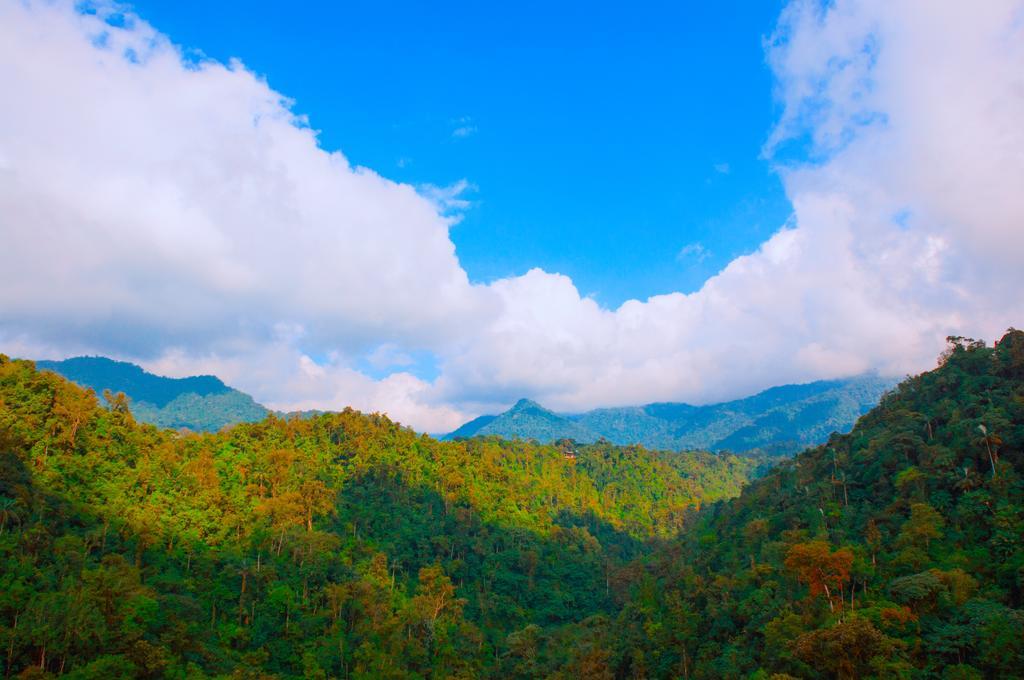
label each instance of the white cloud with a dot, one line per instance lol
(449, 200)
(693, 251)
(183, 216)
(149, 206)
(389, 355)
(289, 380)
(464, 127)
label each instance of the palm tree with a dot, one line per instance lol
(7, 512)
(988, 445)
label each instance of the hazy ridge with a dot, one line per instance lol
(782, 419)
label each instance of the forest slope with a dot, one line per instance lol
(895, 551)
(340, 545)
(347, 546)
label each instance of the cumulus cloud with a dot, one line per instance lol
(188, 203)
(152, 206)
(179, 213)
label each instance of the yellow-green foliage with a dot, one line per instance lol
(347, 546)
(341, 542)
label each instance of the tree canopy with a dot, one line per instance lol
(344, 545)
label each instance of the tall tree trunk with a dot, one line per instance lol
(241, 601)
(10, 647)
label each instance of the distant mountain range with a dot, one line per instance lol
(779, 420)
(202, 403)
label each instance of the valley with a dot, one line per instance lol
(345, 545)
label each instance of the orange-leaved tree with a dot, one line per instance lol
(822, 570)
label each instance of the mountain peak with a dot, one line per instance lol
(526, 404)
(102, 373)
(526, 420)
(199, 402)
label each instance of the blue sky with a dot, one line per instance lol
(601, 139)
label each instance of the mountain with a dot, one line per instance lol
(526, 420)
(781, 419)
(202, 403)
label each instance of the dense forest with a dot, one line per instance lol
(896, 551)
(338, 545)
(344, 545)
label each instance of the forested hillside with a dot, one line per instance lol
(781, 420)
(202, 402)
(896, 551)
(346, 546)
(340, 545)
